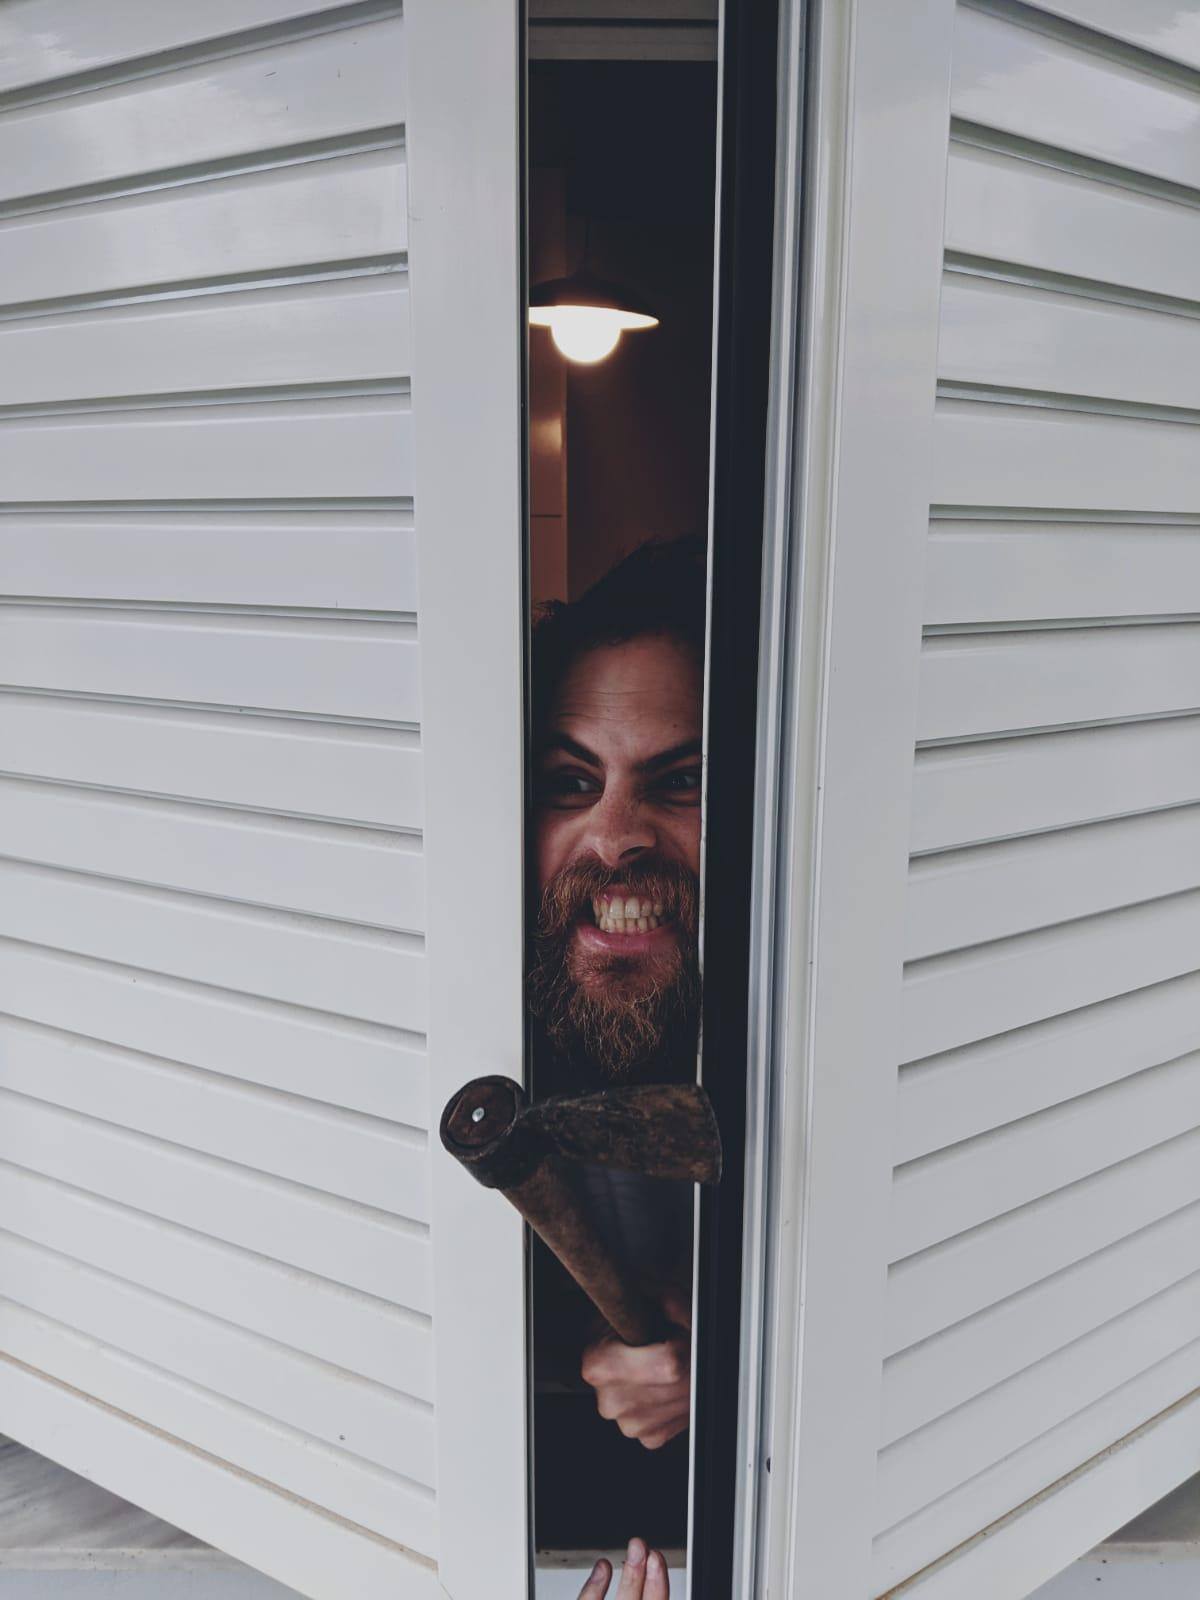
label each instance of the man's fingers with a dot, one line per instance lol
(596, 1586)
(658, 1585)
(633, 1573)
(655, 1438)
(614, 1363)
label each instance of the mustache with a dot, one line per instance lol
(573, 888)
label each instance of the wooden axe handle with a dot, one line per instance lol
(484, 1128)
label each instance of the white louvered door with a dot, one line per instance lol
(982, 1336)
(1044, 1293)
(258, 605)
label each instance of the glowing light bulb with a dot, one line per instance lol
(587, 333)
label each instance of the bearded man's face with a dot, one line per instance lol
(615, 973)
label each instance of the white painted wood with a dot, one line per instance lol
(324, 667)
(468, 335)
(380, 1425)
(966, 897)
(357, 774)
(1168, 28)
(982, 571)
(1006, 1255)
(996, 682)
(329, 447)
(1031, 215)
(964, 794)
(276, 955)
(364, 1249)
(953, 999)
(343, 1153)
(332, 330)
(355, 874)
(335, 85)
(995, 1081)
(854, 459)
(925, 1382)
(1016, 455)
(195, 1488)
(357, 1065)
(386, 1343)
(917, 1470)
(1016, 336)
(337, 210)
(215, 1095)
(1061, 93)
(37, 46)
(1151, 1458)
(955, 1189)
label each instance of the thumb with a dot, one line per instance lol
(678, 1307)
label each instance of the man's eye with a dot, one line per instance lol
(682, 785)
(566, 787)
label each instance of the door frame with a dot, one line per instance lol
(863, 116)
(468, 339)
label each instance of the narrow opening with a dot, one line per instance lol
(622, 122)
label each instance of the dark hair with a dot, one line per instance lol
(659, 589)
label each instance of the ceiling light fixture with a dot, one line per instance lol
(587, 315)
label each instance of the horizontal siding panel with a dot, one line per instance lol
(1013, 336)
(332, 85)
(355, 874)
(359, 446)
(952, 1000)
(1162, 26)
(993, 683)
(1020, 455)
(347, 208)
(977, 1502)
(337, 330)
(1005, 1255)
(1007, 209)
(319, 667)
(364, 1419)
(290, 1223)
(987, 1084)
(982, 572)
(355, 1065)
(1059, 93)
(967, 897)
(39, 43)
(954, 1366)
(339, 1152)
(308, 962)
(362, 1334)
(363, 1494)
(369, 775)
(956, 1189)
(919, 1469)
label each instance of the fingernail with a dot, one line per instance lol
(636, 1553)
(656, 1563)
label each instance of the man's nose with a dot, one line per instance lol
(618, 831)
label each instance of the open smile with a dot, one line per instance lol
(628, 914)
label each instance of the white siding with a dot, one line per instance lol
(215, 1261)
(1044, 1292)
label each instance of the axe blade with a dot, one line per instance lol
(662, 1130)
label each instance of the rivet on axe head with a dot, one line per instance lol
(660, 1130)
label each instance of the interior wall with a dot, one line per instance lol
(636, 145)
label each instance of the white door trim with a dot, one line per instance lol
(465, 214)
(858, 275)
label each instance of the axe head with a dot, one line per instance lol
(662, 1130)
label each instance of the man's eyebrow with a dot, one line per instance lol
(571, 747)
(668, 758)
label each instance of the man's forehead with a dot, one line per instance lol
(642, 685)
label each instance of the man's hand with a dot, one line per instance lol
(643, 1577)
(646, 1391)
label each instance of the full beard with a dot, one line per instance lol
(624, 1016)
